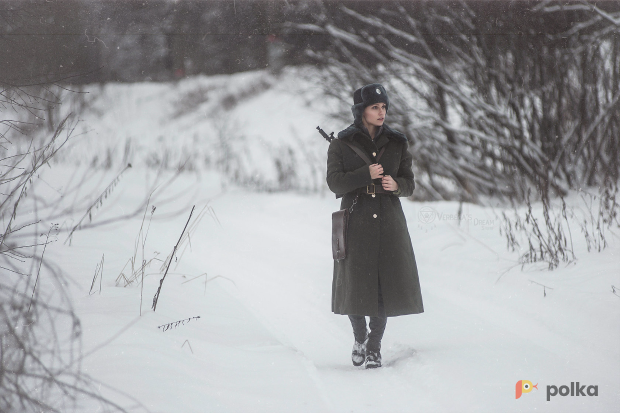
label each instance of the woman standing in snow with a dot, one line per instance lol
(379, 276)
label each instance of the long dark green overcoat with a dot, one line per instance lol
(378, 244)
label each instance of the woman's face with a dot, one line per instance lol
(375, 114)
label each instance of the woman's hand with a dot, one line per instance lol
(376, 171)
(388, 183)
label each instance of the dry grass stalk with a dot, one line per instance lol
(175, 324)
(143, 244)
(187, 236)
(551, 240)
(98, 272)
(156, 297)
(98, 203)
(189, 345)
(140, 243)
(207, 279)
(54, 227)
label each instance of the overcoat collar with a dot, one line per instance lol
(356, 134)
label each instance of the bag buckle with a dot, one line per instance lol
(368, 189)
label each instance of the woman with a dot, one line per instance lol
(379, 276)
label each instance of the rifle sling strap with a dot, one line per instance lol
(361, 154)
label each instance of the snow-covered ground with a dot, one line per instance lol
(258, 273)
(266, 340)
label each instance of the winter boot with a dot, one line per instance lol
(373, 359)
(358, 355)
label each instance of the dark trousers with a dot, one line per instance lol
(377, 327)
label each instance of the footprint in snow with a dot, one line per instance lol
(398, 354)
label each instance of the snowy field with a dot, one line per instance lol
(257, 128)
(258, 269)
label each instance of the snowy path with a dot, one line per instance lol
(267, 340)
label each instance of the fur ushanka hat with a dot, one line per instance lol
(366, 96)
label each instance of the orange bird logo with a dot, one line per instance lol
(524, 386)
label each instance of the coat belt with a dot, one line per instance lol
(372, 189)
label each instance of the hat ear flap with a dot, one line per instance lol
(357, 96)
(357, 111)
(364, 93)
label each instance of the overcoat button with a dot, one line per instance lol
(374, 154)
(374, 215)
(373, 195)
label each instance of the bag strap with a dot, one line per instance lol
(362, 154)
(380, 153)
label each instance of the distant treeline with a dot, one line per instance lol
(127, 41)
(160, 40)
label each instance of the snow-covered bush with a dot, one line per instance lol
(548, 236)
(495, 115)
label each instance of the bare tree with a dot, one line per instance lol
(495, 100)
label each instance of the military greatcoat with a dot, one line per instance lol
(378, 244)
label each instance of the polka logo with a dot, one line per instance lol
(574, 390)
(524, 386)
